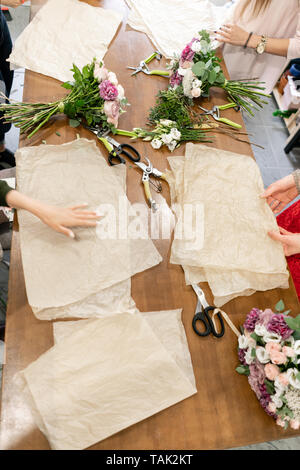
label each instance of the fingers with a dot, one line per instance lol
(80, 206)
(278, 237)
(65, 231)
(285, 232)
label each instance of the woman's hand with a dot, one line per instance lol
(59, 218)
(232, 34)
(281, 193)
(290, 241)
(13, 3)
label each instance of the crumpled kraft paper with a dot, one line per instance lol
(103, 377)
(64, 32)
(237, 257)
(171, 24)
(60, 271)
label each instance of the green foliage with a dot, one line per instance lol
(294, 323)
(173, 105)
(243, 370)
(270, 387)
(258, 339)
(279, 307)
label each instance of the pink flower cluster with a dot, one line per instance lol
(111, 92)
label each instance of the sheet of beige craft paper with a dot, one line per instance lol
(243, 221)
(64, 32)
(167, 326)
(105, 377)
(171, 24)
(58, 270)
(110, 301)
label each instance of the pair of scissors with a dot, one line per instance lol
(115, 149)
(143, 67)
(215, 113)
(202, 312)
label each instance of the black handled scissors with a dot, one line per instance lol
(202, 312)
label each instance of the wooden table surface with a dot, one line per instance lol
(225, 412)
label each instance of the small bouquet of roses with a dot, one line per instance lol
(269, 354)
(198, 69)
(96, 98)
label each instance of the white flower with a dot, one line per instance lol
(296, 347)
(166, 122)
(166, 138)
(270, 337)
(147, 139)
(112, 77)
(292, 376)
(260, 330)
(196, 83)
(243, 342)
(121, 92)
(156, 143)
(196, 92)
(175, 133)
(262, 355)
(279, 387)
(172, 145)
(277, 401)
(182, 71)
(248, 357)
(187, 83)
(196, 46)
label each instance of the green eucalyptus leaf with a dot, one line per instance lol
(212, 77)
(243, 370)
(296, 335)
(74, 123)
(279, 307)
(198, 68)
(293, 323)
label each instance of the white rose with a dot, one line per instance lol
(296, 347)
(248, 357)
(196, 92)
(271, 337)
(166, 138)
(243, 342)
(175, 133)
(121, 92)
(292, 376)
(279, 387)
(277, 401)
(112, 77)
(260, 330)
(196, 46)
(156, 144)
(197, 83)
(172, 145)
(262, 355)
(182, 71)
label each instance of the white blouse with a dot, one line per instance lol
(280, 20)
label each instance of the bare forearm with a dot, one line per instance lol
(17, 200)
(274, 46)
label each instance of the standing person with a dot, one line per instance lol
(260, 38)
(6, 79)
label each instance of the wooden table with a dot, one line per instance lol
(225, 413)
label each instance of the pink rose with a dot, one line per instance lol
(280, 422)
(112, 111)
(100, 73)
(196, 92)
(289, 352)
(283, 379)
(271, 371)
(271, 347)
(272, 407)
(295, 424)
(277, 357)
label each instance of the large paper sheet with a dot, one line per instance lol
(105, 376)
(60, 271)
(171, 24)
(237, 256)
(64, 32)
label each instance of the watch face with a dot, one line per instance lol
(260, 48)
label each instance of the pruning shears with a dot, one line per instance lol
(149, 170)
(215, 113)
(143, 67)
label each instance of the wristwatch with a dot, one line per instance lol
(260, 48)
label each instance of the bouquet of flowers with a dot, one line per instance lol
(96, 98)
(269, 354)
(198, 69)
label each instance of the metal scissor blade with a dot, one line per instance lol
(200, 294)
(142, 166)
(131, 68)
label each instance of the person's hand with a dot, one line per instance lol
(59, 218)
(232, 34)
(290, 241)
(13, 3)
(280, 193)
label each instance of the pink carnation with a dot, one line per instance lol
(187, 53)
(278, 325)
(176, 79)
(108, 91)
(112, 111)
